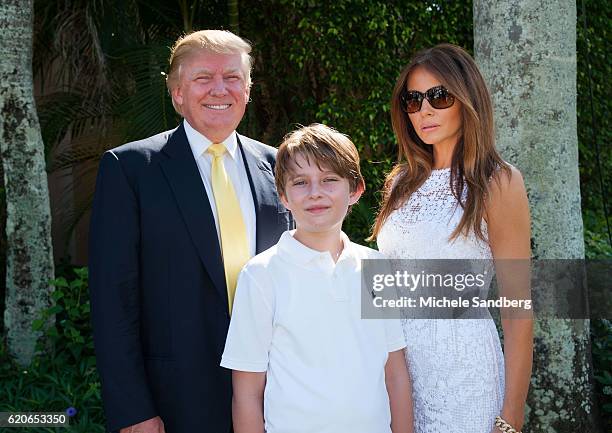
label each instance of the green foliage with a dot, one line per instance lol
(70, 337)
(594, 132)
(65, 376)
(337, 63)
(601, 334)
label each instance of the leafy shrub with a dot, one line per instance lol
(65, 375)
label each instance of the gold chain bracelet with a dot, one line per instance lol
(504, 426)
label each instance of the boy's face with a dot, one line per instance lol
(318, 199)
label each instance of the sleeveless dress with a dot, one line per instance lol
(456, 366)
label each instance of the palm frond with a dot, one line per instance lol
(146, 109)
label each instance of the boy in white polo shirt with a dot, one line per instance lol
(303, 359)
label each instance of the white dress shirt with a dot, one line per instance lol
(236, 170)
(297, 317)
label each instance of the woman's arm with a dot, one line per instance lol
(399, 388)
(247, 402)
(509, 236)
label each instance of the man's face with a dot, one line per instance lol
(318, 198)
(212, 93)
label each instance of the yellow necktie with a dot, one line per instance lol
(234, 242)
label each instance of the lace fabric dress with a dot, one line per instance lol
(456, 366)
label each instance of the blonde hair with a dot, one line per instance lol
(214, 41)
(475, 160)
(322, 145)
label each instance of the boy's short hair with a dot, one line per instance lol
(326, 147)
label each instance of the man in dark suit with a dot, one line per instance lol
(175, 216)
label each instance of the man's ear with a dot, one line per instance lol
(177, 96)
(355, 195)
(247, 95)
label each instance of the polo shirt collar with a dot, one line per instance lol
(304, 256)
(200, 143)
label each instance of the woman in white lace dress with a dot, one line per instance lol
(451, 196)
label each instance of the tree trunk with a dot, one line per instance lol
(28, 227)
(527, 52)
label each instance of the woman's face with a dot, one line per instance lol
(438, 127)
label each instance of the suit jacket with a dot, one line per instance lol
(157, 285)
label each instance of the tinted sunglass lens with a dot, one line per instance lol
(413, 103)
(440, 98)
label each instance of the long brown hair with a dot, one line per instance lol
(475, 160)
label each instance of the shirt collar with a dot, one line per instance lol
(200, 143)
(304, 256)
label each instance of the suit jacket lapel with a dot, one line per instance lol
(184, 178)
(261, 181)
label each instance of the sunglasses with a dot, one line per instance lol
(439, 98)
